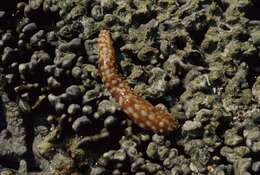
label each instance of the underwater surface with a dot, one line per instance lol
(197, 59)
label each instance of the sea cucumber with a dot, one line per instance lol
(140, 111)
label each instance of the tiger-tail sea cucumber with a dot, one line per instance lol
(142, 112)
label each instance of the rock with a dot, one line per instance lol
(81, 123)
(30, 28)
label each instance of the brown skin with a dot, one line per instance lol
(140, 111)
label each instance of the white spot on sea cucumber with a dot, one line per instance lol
(121, 85)
(151, 116)
(105, 50)
(141, 125)
(130, 110)
(137, 106)
(106, 68)
(109, 74)
(148, 123)
(135, 115)
(114, 82)
(161, 124)
(120, 100)
(144, 113)
(113, 90)
(106, 72)
(107, 84)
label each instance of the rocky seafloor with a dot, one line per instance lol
(198, 58)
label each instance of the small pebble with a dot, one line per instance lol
(73, 109)
(73, 91)
(110, 122)
(29, 28)
(80, 123)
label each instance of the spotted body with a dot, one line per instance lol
(142, 112)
